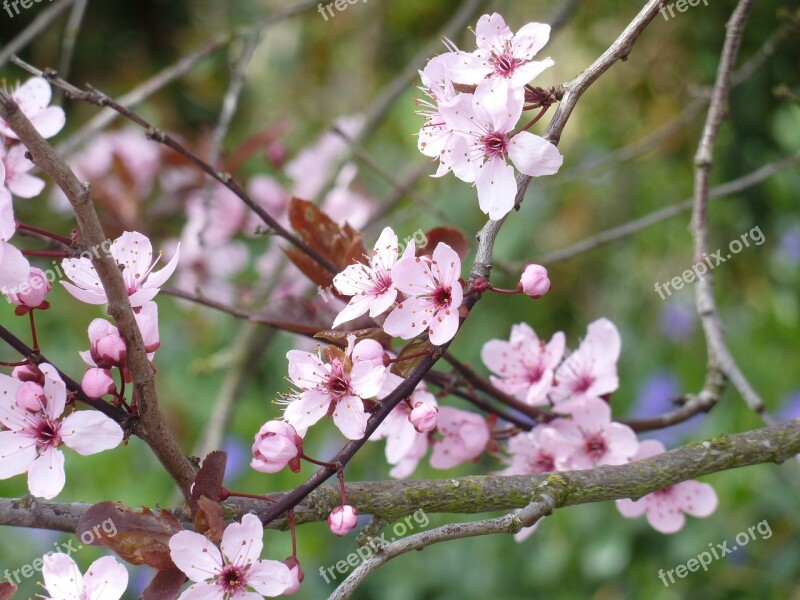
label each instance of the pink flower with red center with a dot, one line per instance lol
(228, 572)
(105, 579)
(666, 509)
(34, 438)
(541, 450)
(370, 285)
(134, 254)
(593, 439)
(503, 60)
(465, 436)
(276, 446)
(433, 296)
(524, 365)
(336, 387)
(487, 128)
(590, 371)
(33, 98)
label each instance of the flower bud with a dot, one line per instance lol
(97, 383)
(423, 417)
(534, 281)
(342, 519)
(30, 396)
(29, 372)
(109, 351)
(296, 575)
(31, 294)
(276, 446)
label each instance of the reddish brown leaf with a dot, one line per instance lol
(166, 585)
(404, 367)
(209, 478)
(450, 236)
(7, 589)
(341, 245)
(139, 537)
(209, 519)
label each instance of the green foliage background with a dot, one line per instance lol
(309, 71)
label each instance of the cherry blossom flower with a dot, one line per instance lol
(17, 180)
(229, 571)
(34, 438)
(433, 296)
(590, 371)
(342, 519)
(666, 509)
(487, 129)
(465, 436)
(370, 285)
(134, 253)
(96, 383)
(534, 281)
(276, 446)
(33, 97)
(32, 293)
(296, 575)
(338, 387)
(423, 416)
(14, 267)
(524, 366)
(593, 438)
(541, 450)
(502, 59)
(105, 579)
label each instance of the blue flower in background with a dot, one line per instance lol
(239, 456)
(654, 398)
(678, 319)
(789, 245)
(790, 407)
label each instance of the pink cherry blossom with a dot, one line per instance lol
(276, 446)
(541, 450)
(32, 293)
(334, 387)
(342, 519)
(134, 253)
(229, 571)
(524, 366)
(34, 438)
(433, 296)
(593, 438)
(424, 417)
(107, 347)
(33, 97)
(105, 579)
(14, 267)
(17, 180)
(370, 285)
(296, 575)
(464, 437)
(96, 383)
(534, 281)
(666, 508)
(503, 59)
(590, 371)
(487, 129)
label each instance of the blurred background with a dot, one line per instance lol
(628, 151)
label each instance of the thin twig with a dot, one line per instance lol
(68, 42)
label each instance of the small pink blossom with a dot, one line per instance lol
(34, 438)
(424, 417)
(30, 396)
(134, 254)
(666, 508)
(276, 446)
(107, 347)
(370, 285)
(343, 519)
(524, 366)
(105, 579)
(32, 293)
(433, 296)
(337, 387)
(593, 438)
(96, 383)
(229, 571)
(590, 371)
(464, 437)
(541, 450)
(17, 180)
(33, 97)
(14, 267)
(296, 575)
(534, 281)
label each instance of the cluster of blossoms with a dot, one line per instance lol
(474, 103)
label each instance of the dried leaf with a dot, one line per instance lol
(166, 585)
(209, 519)
(138, 537)
(208, 480)
(450, 236)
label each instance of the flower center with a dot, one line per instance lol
(47, 434)
(232, 580)
(442, 297)
(494, 144)
(595, 446)
(338, 385)
(544, 463)
(504, 64)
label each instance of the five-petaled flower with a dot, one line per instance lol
(105, 579)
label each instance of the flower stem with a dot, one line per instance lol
(43, 232)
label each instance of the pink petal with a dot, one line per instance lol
(350, 418)
(95, 297)
(631, 508)
(26, 186)
(89, 432)
(62, 578)
(133, 251)
(33, 95)
(366, 379)
(159, 278)
(447, 264)
(195, 555)
(205, 590)
(529, 40)
(305, 369)
(497, 188)
(242, 542)
(405, 321)
(269, 577)
(17, 453)
(306, 409)
(55, 390)
(533, 155)
(105, 579)
(46, 476)
(492, 32)
(443, 329)
(49, 121)
(7, 224)
(666, 520)
(697, 499)
(358, 305)
(14, 267)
